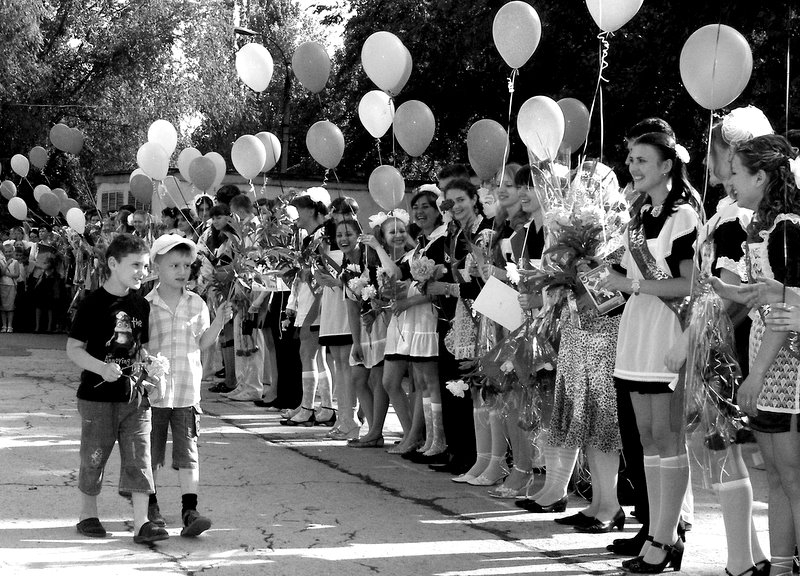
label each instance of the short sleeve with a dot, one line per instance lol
(682, 249)
(84, 321)
(785, 263)
(729, 238)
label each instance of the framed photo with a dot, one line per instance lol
(604, 300)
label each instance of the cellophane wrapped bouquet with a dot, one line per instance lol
(713, 373)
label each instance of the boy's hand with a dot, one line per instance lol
(224, 313)
(111, 372)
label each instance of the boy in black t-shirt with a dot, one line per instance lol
(106, 340)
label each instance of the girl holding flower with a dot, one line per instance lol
(412, 341)
(369, 293)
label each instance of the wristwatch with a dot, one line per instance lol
(635, 286)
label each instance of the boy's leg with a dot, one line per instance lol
(97, 441)
(185, 428)
(160, 419)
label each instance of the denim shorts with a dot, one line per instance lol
(103, 424)
(773, 422)
(184, 423)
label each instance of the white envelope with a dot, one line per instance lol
(500, 302)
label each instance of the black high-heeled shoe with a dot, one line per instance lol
(307, 422)
(673, 558)
(762, 568)
(579, 519)
(600, 527)
(754, 570)
(536, 508)
(330, 421)
(627, 563)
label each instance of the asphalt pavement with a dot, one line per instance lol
(283, 500)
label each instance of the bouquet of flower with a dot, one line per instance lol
(423, 271)
(151, 371)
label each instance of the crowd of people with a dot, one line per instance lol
(310, 304)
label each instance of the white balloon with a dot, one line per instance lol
(541, 126)
(385, 60)
(162, 132)
(248, 156)
(20, 165)
(76, 220)
(273, 148)
(185, 160)
(153, 159)
(17, 208)
(254, 66)
(39, 190)
(219, 162)
(376, 112)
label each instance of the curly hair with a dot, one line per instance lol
(771, 153)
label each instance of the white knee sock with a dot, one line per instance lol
(309, 380)
(428, 414)
(439, 443)
(736, 501)
(674, 480)
(652, 475)
(560, 475)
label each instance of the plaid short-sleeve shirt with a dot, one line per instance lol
(177, 336)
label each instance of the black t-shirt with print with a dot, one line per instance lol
(114, 329)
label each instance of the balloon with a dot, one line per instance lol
(540, 124)
(39, 190)
(248, 156)
(312, 66)
(576, 123)
(516, 31)
(409, 64)
(222, 169)
(202, 172)
(38, 157)
(387, 187)
(142, 188)
(153, 159)
(716, 63)
(61, 193)
(254, 66)
(74, 143)
(325, 143)
(486, 146)
(50, 204)
(8, 189)
(20, 165)
(17, 208)
(67, 204)
(60, 135)
(414, 126)
(162, 132)
(273, 148)
(384, 59)
(611, 15)
(76, 219)
(185, 160)
(376, 112)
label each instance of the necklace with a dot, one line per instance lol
(656, 211)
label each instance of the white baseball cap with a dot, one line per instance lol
(167, 242)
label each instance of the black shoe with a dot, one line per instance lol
(194, 524)
(220, 388)
(154, 515)
(220, 373)
(683, 528)
(310, 421)
(579, 519)
(627, 546)
(420, 458)
(270, 404)
(443, 467)
(536, 508)
(598, 527)
(674, 558)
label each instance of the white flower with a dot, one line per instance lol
(794, 166)
(157, 366)
(512, 273)
(457, 387)
(682, 153)
(357, 285)
(368, 292)
(507, 367)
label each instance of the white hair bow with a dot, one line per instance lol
(318, 194)
(381, 217)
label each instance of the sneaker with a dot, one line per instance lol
(150, 533)
(154, 515)
(194, 524)
(91, 527)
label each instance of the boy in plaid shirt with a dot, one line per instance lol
(179, 329)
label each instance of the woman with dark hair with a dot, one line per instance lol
(169, 220)
(762, 178)
(412, 343)
(659, 262)
(187, 227)
(304, 303)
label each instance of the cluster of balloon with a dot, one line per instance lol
(387, 62)
(486, 148)
(541, 126)
(66, 139)
(576, 124)
(325, 143)
(312, 66)
(153, 156)
(49, 203)
(414, 126)
(516, 31)
(254, 66)
(204, 171)
(611, 15)
(376, 112)
(715, 64)
(387, 187)
(38, 157)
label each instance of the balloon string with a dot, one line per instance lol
(394, 150)
(696, 267)
(176, 203)
(786, 127)
(264, 186)
(378, 146)
(788, 81)
(511, 80)
(325, 178)
(603, 46)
